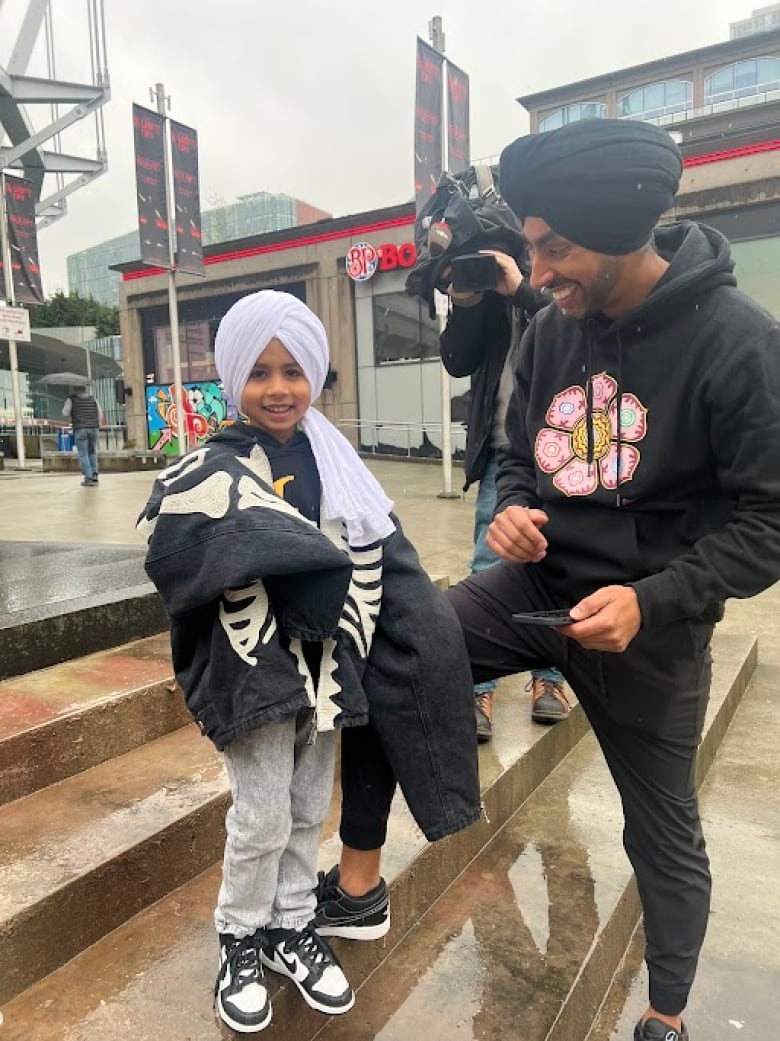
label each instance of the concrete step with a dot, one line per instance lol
(82, 856)
(737, 990)
(526, 941)
(152, 977)
(58, 721)
(60, 601)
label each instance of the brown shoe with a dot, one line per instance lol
(483, 708)
(548, 701)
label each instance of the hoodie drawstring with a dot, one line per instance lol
(589, 394)
(619, 410)
(589, 406)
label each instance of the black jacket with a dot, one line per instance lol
(246, 581)
(475, 343)
(686, 393)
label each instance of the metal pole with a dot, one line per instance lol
(173, 309)
(21, 458)
(436, 35)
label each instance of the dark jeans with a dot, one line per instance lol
(646, 707)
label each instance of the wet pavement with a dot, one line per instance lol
(60, 543)
(521, 945)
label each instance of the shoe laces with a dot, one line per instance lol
(484, 702)
(327, 882)
(311, 949)
(541, 685)
(243, 960)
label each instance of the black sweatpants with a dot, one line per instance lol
(646, 707)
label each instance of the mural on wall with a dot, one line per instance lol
(206, 411)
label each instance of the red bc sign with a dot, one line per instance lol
(364, 260)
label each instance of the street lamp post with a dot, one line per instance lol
(436, 36)
(158, 94)
(13, 357)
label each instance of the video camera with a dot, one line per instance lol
(464, 215)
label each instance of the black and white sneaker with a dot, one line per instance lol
(351, 917)
(240, 994)
(310, 963)
(656, 1030)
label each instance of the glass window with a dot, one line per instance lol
(553, 121)
(657, 99)
(196, 350)
(403, 330)
(742, 79)
(757, 267)
(573, 113)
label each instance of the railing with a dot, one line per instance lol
(728, 104)
(420, 440)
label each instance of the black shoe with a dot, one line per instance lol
(351, 917)
(240, 994)
(88, 483)
(655, 1030)
(483, 709)
(312, 966)
(94, 478)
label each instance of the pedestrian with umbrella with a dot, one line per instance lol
(86, 417)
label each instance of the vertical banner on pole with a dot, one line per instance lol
(23, 283)
(186, 196)
(427, 122)
(458, 138)
(149, 138)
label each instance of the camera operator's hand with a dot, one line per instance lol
(515, 535)
(459, 299)
(509, 275)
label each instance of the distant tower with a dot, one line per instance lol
(762, 20)
(38, 108)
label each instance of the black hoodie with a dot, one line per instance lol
(693, 374)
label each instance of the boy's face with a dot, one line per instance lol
(277, 393)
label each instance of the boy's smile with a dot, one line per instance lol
(277, 394)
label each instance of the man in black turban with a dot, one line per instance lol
(639, 490)
(602, 184)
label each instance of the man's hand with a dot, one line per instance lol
(607, 620)
(509, 274)
(515, 535)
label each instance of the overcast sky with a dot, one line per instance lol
(315, 98)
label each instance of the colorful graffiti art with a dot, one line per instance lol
(206, 411)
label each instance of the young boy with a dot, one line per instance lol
(274, 550)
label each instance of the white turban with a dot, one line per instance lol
(350, 492)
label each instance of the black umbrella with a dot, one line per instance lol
(65, 379)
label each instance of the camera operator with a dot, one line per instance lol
(476, 343)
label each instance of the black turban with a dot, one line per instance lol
(601, 183)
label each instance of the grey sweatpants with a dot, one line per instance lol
(281, 787)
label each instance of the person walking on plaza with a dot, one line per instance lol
(86, 417)
(476, 342)
(639, 489)
(297, 608)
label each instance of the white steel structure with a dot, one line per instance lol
(36, 110)
(57, 105)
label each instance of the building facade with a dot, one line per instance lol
(384, 389)
(762, 20)
(91, 272)
(722, 105)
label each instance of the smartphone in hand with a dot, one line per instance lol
(560, 617)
